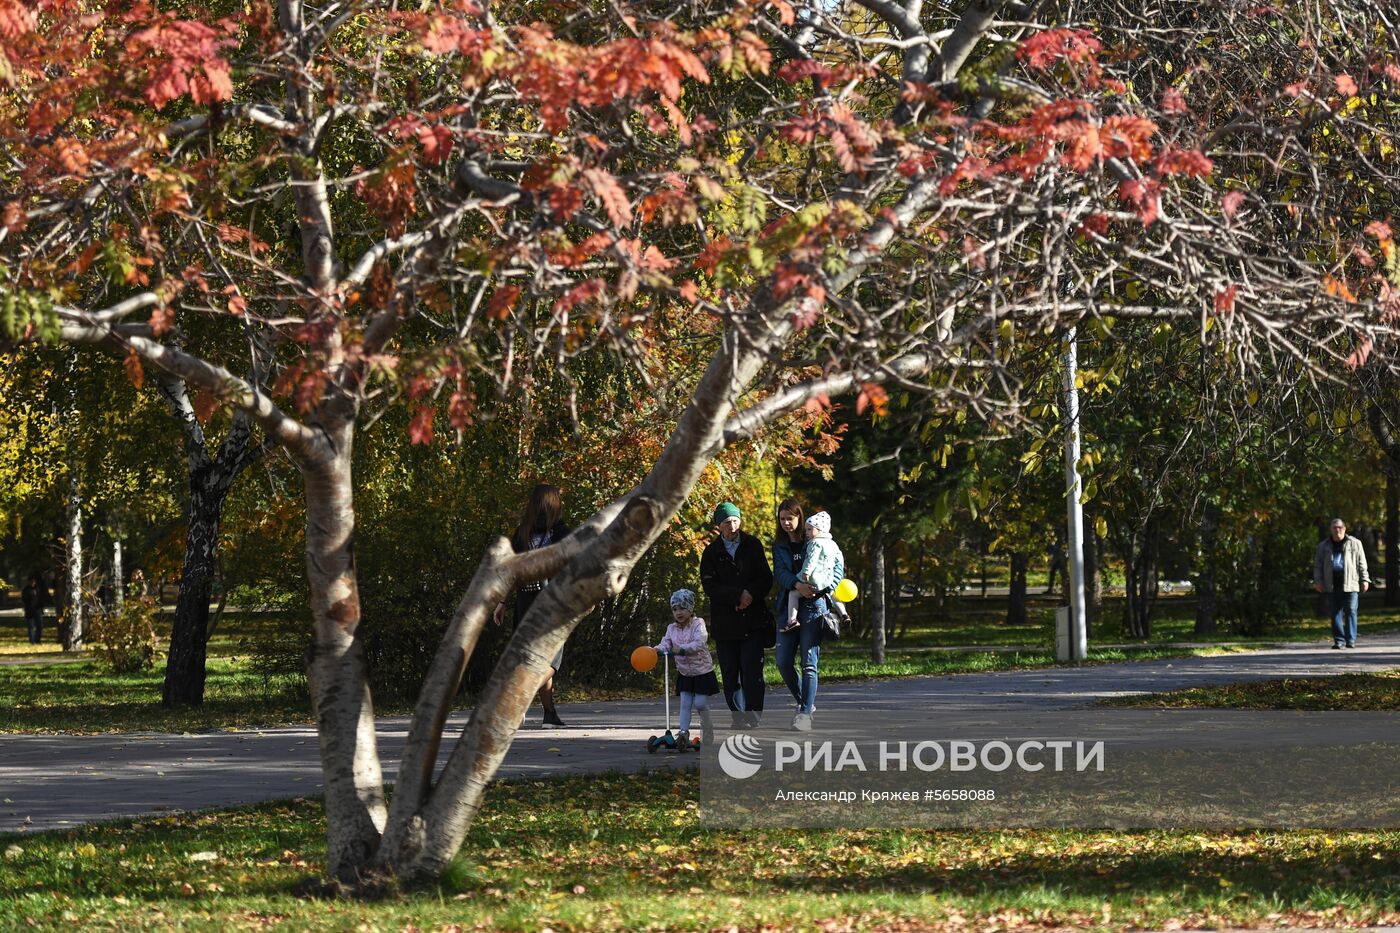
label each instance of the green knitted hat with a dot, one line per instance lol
(725, 510)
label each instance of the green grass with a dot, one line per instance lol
(628, 853)
(971, 620)
(1373, 691)
(84, 698)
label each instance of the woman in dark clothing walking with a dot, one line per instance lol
(541, 525)
(735, 575)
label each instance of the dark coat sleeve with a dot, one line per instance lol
(758, 576)
(717, 582)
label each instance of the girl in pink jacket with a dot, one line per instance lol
(695, 681)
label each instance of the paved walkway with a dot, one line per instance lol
(51, 781)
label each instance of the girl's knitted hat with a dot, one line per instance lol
(820, 521)
(683, 599)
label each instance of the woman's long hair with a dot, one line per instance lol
(779, 536)
(542, 512)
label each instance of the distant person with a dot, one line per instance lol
(1339, 568)
(540, 526)
(735, 575)
(35, 597)
(685, 640)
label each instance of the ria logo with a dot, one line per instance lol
(740, 756)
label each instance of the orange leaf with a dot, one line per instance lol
(133, 369)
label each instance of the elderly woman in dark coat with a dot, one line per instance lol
(735, 575)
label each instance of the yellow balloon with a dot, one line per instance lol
(644, 658)
(846, 591)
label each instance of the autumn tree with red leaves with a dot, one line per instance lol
(822, 199)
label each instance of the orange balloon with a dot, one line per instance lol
(644, 658)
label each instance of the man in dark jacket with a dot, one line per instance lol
(35, 597)
(735, 575)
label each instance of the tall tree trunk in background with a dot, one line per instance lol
(1016, 600)
(1140, 571)
(210, 479)
(1093, 581)
(185, 665)
(1205, 570)
(118, 574)
(1392, 533)
(71, 628)
(877, 594)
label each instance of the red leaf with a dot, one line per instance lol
(1392, 71)
(134, 372)
(1128, 136)
(14, 219)
(1225, 299)
(1345, 85)
(609, 194)
(436, 141)
(1379, 229)
(1230, 203)
(1094, 224)
(420, 429)
(1045, 48)
(502, 302)
(460, 408)
(1190, 162)
(162, 319)
(1173, 102)
(204, 404)
(1360, 354)
(1141, 193)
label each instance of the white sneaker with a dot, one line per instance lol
(802, 722)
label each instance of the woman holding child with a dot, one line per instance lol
(807, 565)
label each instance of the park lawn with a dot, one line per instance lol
(82, 697)
(1362, 691)
(971, 620)
(628, 853)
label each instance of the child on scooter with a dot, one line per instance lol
(695, 681)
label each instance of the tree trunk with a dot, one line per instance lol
(1093, 581)
(71, 630)
(1140, 571)
(1016, 600)
(185, 666)
(1205, 573)
(335, 662)
(118, 574)
(209, 482)
(877, 594)
(1392, 533)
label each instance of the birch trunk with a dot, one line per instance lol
(335, 663)
(118, 574)
(72, 627)
(877, 595)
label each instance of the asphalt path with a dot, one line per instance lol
(53, 781)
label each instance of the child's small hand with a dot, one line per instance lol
(680, 652)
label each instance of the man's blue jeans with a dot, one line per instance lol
(1344, 617)
(806, 639)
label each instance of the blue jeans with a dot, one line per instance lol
(807, 639)
(1344, 617)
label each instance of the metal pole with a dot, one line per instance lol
(1079, 642)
